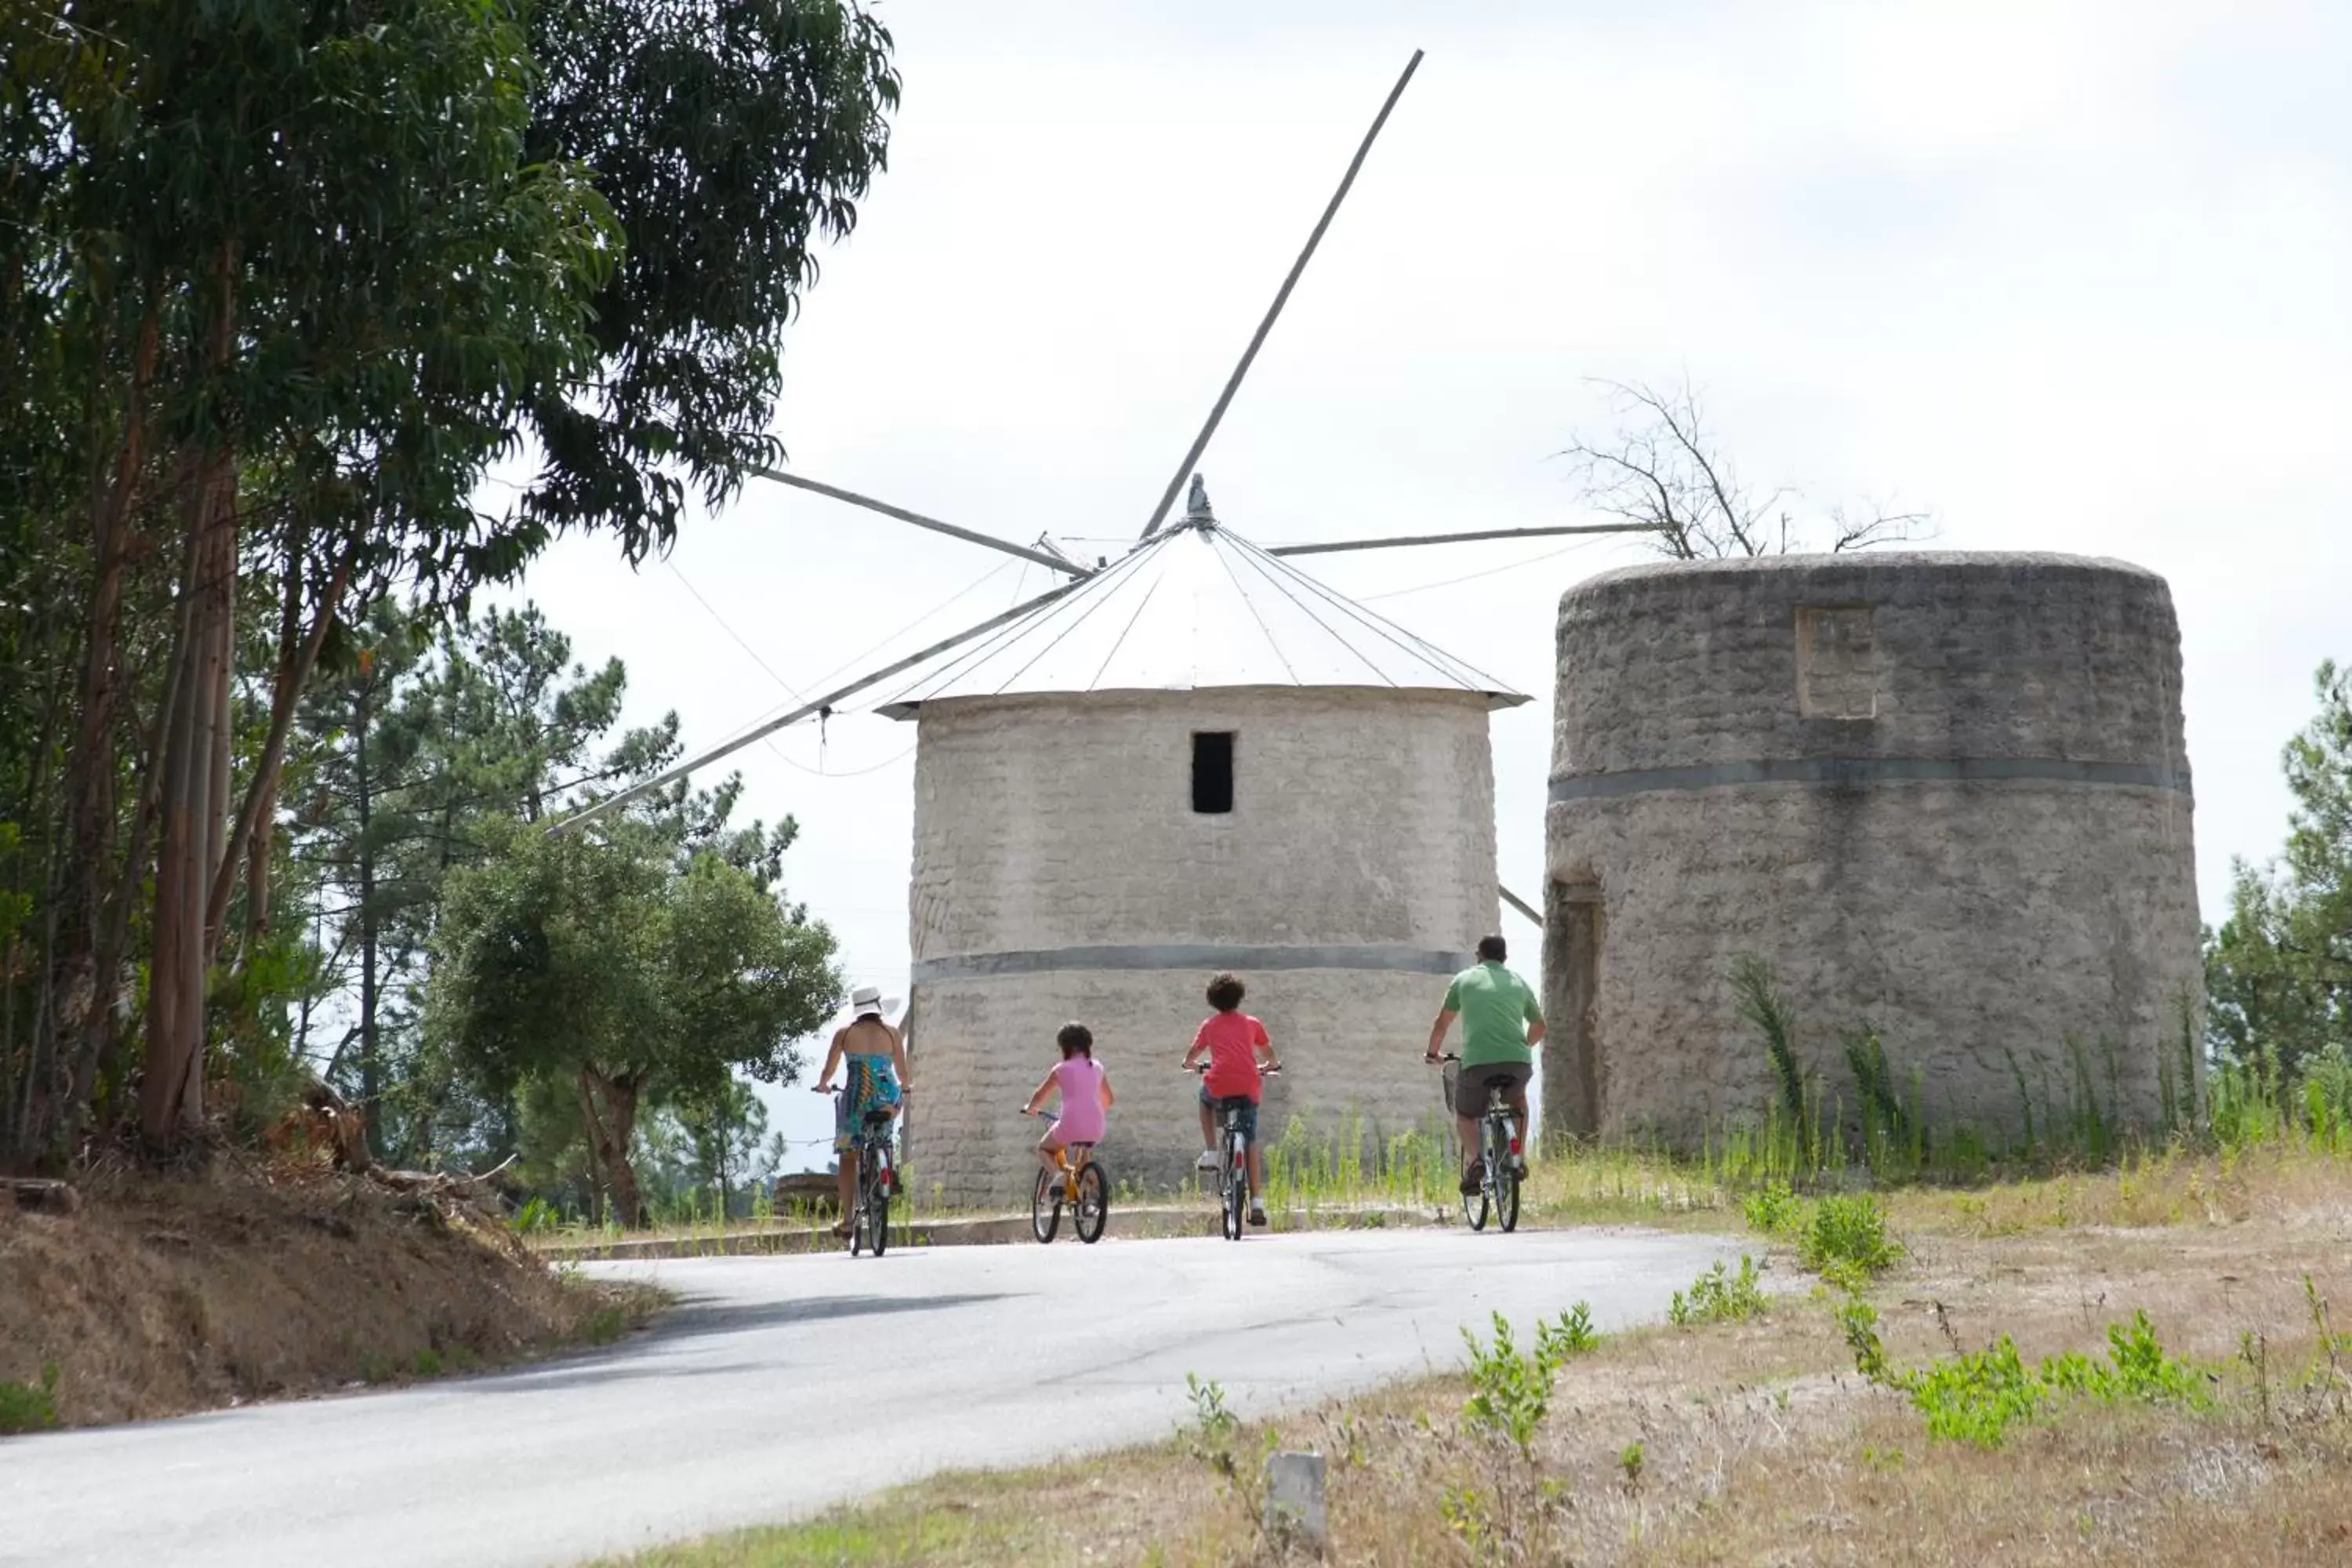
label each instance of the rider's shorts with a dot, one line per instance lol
(1248, 1118)
(1470, 1089)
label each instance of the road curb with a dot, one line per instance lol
(987, 1230)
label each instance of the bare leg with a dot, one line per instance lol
(1048, 1147)
(1518, 1101)
(846, 1185)
(1466, 1128)
(1208, 1130)
(1256, 1172)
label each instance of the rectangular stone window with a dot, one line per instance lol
(1212, 772)
(1837, 662)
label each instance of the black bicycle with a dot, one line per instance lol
(1079, 1182)
(1232, 1158)
(877, 1178)
(1498, 1149)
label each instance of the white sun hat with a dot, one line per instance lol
(868, 1001)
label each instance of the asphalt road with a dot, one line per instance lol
(745, 1403)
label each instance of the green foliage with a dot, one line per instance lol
(728, 136)
(1719, 1296)
(1978, 1395)
(1510, 1388)
(29, 1406)
(1848, 1232)
(1631, 1460)
(1214, 1425)
(1772, 1209)
(2278, 974)
(1760, 1004)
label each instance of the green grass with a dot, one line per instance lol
(29, 1406)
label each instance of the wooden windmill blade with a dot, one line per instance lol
(1281, 298)
(823, 704)
(1335, 546)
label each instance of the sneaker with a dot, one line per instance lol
(1257, 1213)
(1207, 1162)
(1473, 1178)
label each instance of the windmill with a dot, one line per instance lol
(1194, 757)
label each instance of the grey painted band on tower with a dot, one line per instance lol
(1945, 796)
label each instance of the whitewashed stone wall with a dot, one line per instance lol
(1362, 834)
(1945, 794)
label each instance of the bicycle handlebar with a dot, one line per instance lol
(1263, 1073)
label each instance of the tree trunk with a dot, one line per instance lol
(296, 660)
(171, 1092)
(609, 1136)
(361, 716)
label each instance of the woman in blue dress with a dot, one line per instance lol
(875, 1059)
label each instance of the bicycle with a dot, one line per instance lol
(869, 1218)
(1078, 1181)
(1232, 1158)
(1498, 1152)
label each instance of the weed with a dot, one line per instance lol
(1511, 1390)
(1629, 1459)
(1978, 1395)
(1772, 1209)
(1850, 1230)
(1719, 1296)
(428, 1363)
(1761, 1004)
(29, 1406)
(534, 1217)
(1214, 1425)
(602, 1325)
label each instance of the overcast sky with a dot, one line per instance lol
(2072, 275)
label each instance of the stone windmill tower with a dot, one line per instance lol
(1200, 760)
(1193, 757)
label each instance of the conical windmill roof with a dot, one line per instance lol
(1196, 606)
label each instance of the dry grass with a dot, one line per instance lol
(163, 1295)
(1759, 1444)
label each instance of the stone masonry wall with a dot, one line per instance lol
(1060, 873)
(1946, 795)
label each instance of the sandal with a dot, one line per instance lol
(841, 1231)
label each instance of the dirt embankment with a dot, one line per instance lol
(159, 1295)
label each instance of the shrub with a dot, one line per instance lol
(1511, 1390)
(1772, 1209)
(1719, 1296)
(29, 1406)
(1846, 1236)
(1977, 1396)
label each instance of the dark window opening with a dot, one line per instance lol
(1212, 772)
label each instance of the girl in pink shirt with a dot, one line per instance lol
(1085, 1089)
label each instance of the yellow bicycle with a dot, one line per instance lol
(1077, 1180)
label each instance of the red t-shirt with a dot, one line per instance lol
(1233, 1039)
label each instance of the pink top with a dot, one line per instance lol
(1233, 1040)
(1081, 1119)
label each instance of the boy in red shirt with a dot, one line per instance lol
(1237, 1049)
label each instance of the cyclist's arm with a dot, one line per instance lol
(899, 1058)
(1264, 1044)
(1044, 1089)
(1536, 1033)
(1533, 1012)
(1193, 1055)
(832, 1060)
(1105, 1091)
(1437, 1032)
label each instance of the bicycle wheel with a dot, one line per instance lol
(1094, 1202)
(1503, 1177)
(877, 1208)
(1236, 1191)
(857, 1217)
(1045, 1206)
(1475, 1206)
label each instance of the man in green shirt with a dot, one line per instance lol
(1501, 1024)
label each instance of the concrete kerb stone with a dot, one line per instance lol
(1155, 1220)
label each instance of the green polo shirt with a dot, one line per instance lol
(1495, 1006)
